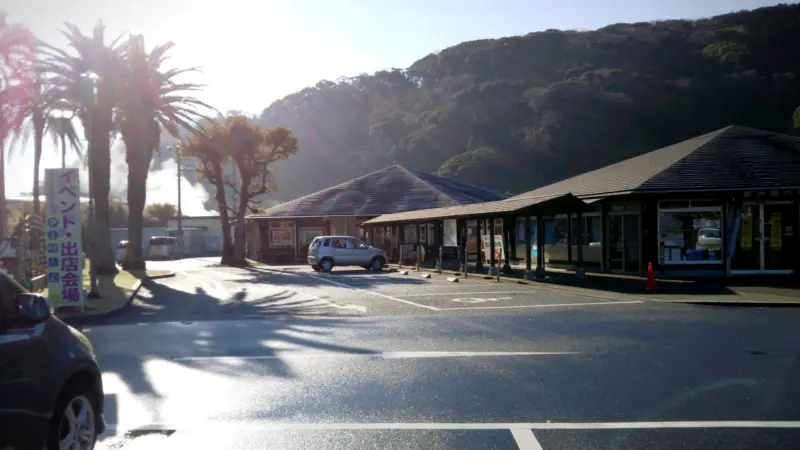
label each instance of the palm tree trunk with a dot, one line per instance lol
(103, 254)
(38, 137)
(37, 159)
(138, 159)
(3, 212)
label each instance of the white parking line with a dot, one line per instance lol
(383, 355)
(525, 439)
(400, 300)
(468, 292)
(545, 306)
(271, 426)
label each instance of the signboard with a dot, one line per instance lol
(63, 227)
(499, 252)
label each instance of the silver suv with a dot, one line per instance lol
(324, 252)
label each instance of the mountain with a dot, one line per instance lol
(520, 112)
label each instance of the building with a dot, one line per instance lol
(282, 233)
(202, 235)
(724, 203)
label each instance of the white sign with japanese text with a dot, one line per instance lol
(63, 228)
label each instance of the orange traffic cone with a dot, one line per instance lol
(651, 278)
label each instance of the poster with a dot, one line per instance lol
(499, 252)
(747, 232)
(280, 238)
(776, 231)
(64, 244)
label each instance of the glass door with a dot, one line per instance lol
(616, 242)
(780, 221)
(630, 232)
(747, 254)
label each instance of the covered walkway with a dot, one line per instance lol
(452, 234)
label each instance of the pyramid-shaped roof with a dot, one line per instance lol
(390, 190)
(730, 158)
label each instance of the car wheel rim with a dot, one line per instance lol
(326, 265)
(77, 431)
(376, 264)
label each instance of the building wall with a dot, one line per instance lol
(286, 241)
(207, 242)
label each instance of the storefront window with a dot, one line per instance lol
(690, 235)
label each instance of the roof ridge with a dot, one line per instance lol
(455, 181)
(332, 187)
(709, 136)
(411, 172)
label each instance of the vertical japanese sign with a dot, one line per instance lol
(63, 228)
(747, 231)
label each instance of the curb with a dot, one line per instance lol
(731, 304)
(116, 311)
(543, 286)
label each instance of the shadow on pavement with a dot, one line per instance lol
(345, 275)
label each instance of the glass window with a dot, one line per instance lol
(327, 243)
(560, 231)
(593, 229)
(690, 237)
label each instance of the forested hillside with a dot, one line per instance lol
(519, 112)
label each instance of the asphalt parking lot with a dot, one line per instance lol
(437, 294)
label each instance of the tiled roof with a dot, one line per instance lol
(391, 190)
(729, 158)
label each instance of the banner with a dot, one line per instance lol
(747, 232)
(63, 228)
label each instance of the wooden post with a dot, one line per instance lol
(528, 247)
(569, 238)
(579, 271)
(419, 245)
(479, 262)
(539, 246)
(507, 244)
(491, 246)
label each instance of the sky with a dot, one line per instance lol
(253, 52)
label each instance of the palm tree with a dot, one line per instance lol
(150, 99)
(38, 120)
(17, 44)
(88, 79)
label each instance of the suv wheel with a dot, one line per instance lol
(326, 265)
(74, 421)
(377, 264)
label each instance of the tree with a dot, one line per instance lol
(209, 146)
(252, 149)
(157, 214)
(40, 102)
(150, 99)
(88, 78)
(17, 45)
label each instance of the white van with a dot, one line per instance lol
(163, 247)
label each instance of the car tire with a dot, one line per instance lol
(377, 264)
(82, 399)
(326, 265)
(316, 268)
